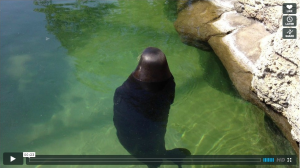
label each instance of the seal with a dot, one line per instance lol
(141, 108)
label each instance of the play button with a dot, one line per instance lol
(13, 158)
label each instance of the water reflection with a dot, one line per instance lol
(170, 9)
(73, 22)
(215, 74)
(100, 34)
(141, 108)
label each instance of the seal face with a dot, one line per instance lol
(141, 107)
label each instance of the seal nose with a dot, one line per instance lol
(152, 67)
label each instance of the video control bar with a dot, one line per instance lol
(190, 160)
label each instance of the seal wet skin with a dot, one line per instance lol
(141, 108)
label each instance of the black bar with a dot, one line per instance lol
(190, 160)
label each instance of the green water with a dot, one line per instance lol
(62, 60)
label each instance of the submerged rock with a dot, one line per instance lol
(247, 37)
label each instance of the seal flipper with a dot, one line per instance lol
(177, 153)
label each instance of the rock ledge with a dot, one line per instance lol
(247, 37)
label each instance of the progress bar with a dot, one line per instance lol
(190, 160)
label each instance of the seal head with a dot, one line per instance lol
(152, 67)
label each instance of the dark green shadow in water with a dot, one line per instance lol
(73, 23)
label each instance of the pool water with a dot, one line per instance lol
(61, 62)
